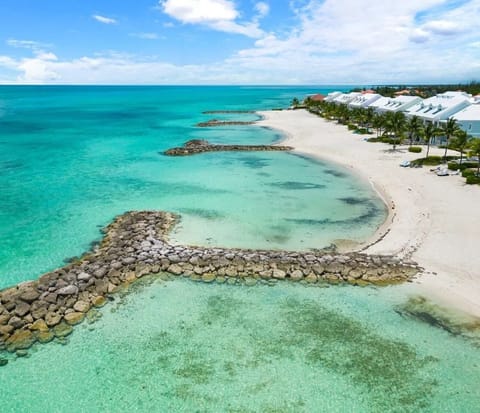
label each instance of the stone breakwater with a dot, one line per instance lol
(216, 122)
(196, 146)
(237, 112)
(136, 244)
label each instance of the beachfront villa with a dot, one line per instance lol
(364, 100)
(400, 103)
(440, 107)
(462, 106)
(332, 95)
(469, 119)
(379, 103)
(346, 98)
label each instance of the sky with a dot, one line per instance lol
(277, 42)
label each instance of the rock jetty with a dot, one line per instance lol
(196, 146)
(136, 244)
(236, 112)
(216, 122)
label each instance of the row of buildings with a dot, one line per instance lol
(461, 106)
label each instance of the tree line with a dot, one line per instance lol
(396, 128)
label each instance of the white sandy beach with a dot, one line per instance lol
(434, 219)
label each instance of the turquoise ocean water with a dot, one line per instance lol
(71, 158)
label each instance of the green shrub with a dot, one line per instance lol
(374, 140)
(351, 126)
(473, 180)
(432, 160)
(464, 165)
(415, 149)
(468, 172)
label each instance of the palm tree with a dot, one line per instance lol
(414, 126)
(378, 122)
(429, 132)
(460, 142)
(369, 116)
(475, 148)
(449, 129)
(395, 123)
(295, 102)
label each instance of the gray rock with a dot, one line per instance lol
(52, 319)
(22, 308)
(30, 295)
(279, 274)
(68, 290)
(296, 275)
(16, 322)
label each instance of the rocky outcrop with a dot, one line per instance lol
(216, 122)
(196, 146)
(136, 244)
(232, 112)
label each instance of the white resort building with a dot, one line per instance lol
(469, 119)
(379, 102)
(346, 98)
(440, 107)
(437, 109)
(364, 100)
(400, 103)
(332, 95)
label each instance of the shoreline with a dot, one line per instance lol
(431, 219)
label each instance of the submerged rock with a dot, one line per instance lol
(20, 340)
(62, 330)
(74, 318)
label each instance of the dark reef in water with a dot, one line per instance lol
(423, 310)
(295, 185)
(196, 146)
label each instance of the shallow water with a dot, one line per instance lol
(185, 346)
(72, 158)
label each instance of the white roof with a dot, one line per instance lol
(332, 95)
(470, 113)
(364, 100)
(346, 97)
(379, 102)
(399, 103)
(441, 106)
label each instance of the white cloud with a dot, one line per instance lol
(200, 11)
(262, 9)
(27, 44)
(419, 36)
(443, 27)
(219, 15)
(38, 69)
(103, 19)
(329, 45)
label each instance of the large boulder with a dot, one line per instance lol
(52, 319)
(30, 295)
(81, 306)
(62, 330)
(22, 308)
(20, 340)
(68, 290)
(74, 318)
